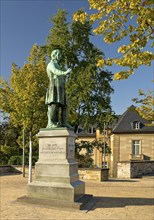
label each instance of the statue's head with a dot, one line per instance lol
(55, 55)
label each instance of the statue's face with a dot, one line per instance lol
(55, 55)
(58, 56)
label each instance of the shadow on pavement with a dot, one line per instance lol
(17, 172)
(115, 202)
(10, 173)
(118, 180)
(7, 170)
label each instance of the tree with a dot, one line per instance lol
(100, 146)
(121, 19)
(8, 134)
(146, 108)
(8, 144)
(59, 36)
(85, 159)
(88, 86)
(23, 99)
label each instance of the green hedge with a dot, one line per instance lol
(17, 160)
(84, 161)
(3, 158)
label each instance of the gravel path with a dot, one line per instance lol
(117, 199)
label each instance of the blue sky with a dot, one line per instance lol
(25, 22)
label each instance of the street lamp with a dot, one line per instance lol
(104, 132)
(30, 158)
(23, 154)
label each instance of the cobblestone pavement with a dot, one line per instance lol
(116, 199)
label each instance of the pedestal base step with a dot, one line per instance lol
(84, 203)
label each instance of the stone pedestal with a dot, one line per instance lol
(56, 172)
(104, 174)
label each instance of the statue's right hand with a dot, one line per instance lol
(68, 71)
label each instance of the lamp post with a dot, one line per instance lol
(30, 158)
(104, 146)
(23, 155)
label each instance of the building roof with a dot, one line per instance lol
(112, 124)
(127, 120)
(86, 134)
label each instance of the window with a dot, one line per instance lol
(105, 164)
(92, 130)
(136, 125)
(136, 147)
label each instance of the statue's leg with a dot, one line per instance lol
(52, 116)
(64, 116)
(55, 114)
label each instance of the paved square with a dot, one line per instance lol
(116, 199)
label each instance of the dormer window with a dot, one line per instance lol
(92, 130)
(136, 125)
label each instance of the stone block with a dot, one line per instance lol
(56, 171)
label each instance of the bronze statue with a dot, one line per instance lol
(56, 94)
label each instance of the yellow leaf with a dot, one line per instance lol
(100, 63)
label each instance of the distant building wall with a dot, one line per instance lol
(124, 170)
(115, 149)
(121, 146)
(146, 146)
(141, 168)
(134, 169)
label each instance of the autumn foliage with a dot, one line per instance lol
(121, 19)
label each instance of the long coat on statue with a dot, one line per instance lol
(56, 93)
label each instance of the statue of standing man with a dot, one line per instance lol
(56, 94)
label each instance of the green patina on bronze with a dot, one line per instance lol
(56, 95)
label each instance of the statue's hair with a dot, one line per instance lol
(54, 54)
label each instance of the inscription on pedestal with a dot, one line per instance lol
(52, 149)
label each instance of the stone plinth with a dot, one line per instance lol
(135, 169)
(56, 171)
(99, 174)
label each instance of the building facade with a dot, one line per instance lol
(130, 138)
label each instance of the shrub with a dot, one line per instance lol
(3, 158)
(17, 160)
(84, 161)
